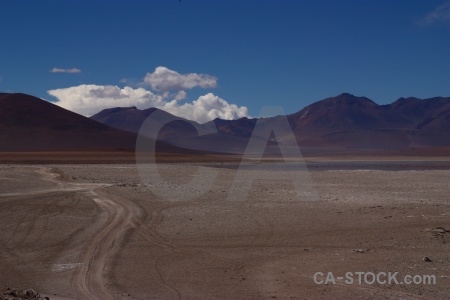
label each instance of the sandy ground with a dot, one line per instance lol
(98, 232)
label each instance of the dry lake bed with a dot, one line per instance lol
(251, 232)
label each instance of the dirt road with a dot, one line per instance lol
(115, 218)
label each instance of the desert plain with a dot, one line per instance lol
(103, 231)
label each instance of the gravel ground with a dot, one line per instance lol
(101, 231)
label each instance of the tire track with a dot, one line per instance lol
(89, 279)
(116, 218)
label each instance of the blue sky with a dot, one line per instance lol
(288, 53)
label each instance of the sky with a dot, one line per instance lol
(223, 58)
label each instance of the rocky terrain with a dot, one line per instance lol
(18, 294)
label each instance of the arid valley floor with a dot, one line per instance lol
(96, 231)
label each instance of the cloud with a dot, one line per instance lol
(58, 70)
(206, 108)
(164, 79)
(440, 15)
(181, 95)
(90, 99)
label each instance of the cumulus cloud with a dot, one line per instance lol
(58, 70)
(440, 15)
(206, 108)
(90, 99)
(164, 79)
(168, 93)
(180, 95)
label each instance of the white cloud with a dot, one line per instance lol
(440, 14)
(206, 108)
(164, 79)
(180, 95)
(91, 99)
(58, 70)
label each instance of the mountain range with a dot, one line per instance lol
(344, 122)
(341, 122)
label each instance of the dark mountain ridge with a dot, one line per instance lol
(344, 121)
(28, 123)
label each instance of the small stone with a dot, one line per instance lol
(439, 231)
(427, 259)
(360, 250)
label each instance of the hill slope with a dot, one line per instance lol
(28, 123)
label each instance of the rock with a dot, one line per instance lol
(427, 259)
(439, 230)
(31, 293)
(18, 294)
(360, 250)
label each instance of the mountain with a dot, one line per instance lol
(347, 121)
(230, 137)
(341, 113)
(28, 123)
(124, 118)
(342, 122)
(130, 119)
(429, 114)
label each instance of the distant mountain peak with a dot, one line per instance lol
(347, 99)
(345, 95)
